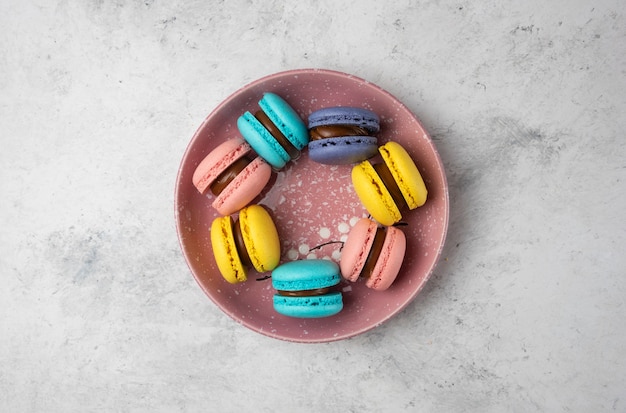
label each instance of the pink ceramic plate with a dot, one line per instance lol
(312, 205)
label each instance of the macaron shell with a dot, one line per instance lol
(263, 143)
(286, 119)
(389, 261)
(225, 251)
(305, 275)
(345, 115)
(343, 150)
(217, 161)
(260, 237)
(356, 249)
(309, 307)
(373, 194)
(242, 190)
(405, 173)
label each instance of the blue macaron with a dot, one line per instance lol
(342, 135)
(275, 132)
(303, 289)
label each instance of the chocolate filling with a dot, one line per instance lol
(291, 150)
(240, 244)
(385, 174)
(332, 131)
(304, 293)
(375, 250)
(228, 175)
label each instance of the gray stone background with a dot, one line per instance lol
(525, 100)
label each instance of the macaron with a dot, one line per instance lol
(374, 253)
(249, 242)
(388, 187)
(342, 135)
(276, 132)
(232, 175)
(303, 289)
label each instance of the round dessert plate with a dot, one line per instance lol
(314, 207)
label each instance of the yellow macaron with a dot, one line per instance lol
(387, 187)
(250, 241)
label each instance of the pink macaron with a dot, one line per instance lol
(232, 175)
(374, 253)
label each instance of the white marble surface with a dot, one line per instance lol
(526, 102)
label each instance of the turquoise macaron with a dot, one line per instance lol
(303, 289)
(275, 132)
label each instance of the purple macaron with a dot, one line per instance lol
(342, 135)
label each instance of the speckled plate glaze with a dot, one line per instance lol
(312, 205)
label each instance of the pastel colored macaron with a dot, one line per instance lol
(232, 175)
(342, 135)
(388, 187)
(276, 132)
(249, 242)
(374, 253)
(303, 289)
